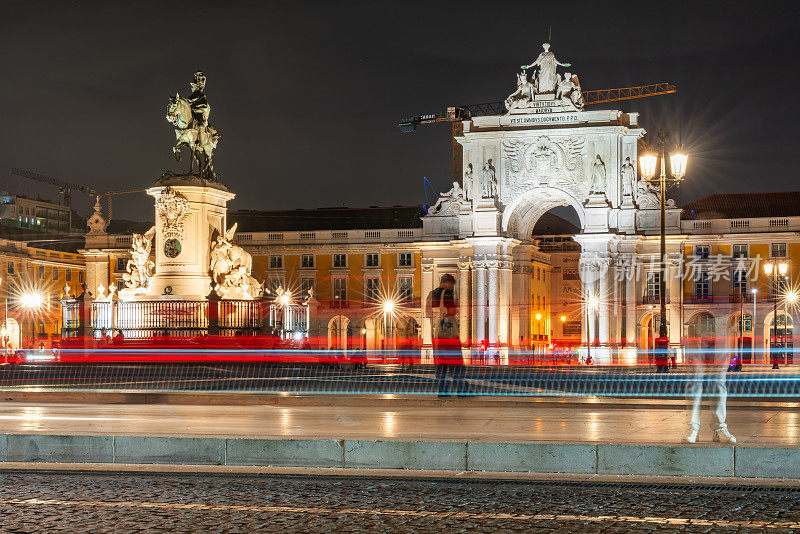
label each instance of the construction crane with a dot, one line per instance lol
(456, 114)
(66, 188)
(110, 194)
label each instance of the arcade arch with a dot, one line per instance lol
(521, 215)
(780, 337)
(338, 328)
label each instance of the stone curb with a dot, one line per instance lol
(642, 459)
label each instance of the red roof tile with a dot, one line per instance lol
(743, 206)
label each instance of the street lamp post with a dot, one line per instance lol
(773, 268)
(754, 291)
(677, 164)
(592, 304)
(790, 299)
(388, 307)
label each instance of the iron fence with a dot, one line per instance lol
(172, 318)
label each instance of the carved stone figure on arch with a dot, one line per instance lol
(628, 178)
(547, 63)
(598, 176)
(522, 96)
(488, 181)
(468, 182)
(449, 203)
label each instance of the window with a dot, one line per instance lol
(41, 272)
(305, 285)
(122, 264)
(748, 323)
(653, 285)
(68, 275)
(276, 262)
(339, 291)
(372, 289)
(778, 284)
(10, 267)
(55, 274)
(80, 277)
(707, 323)
(702, 251)
(307, 261)
(739, 251)
(405, 259)
(340, 260)
(702, 286)
(739, 282)
(778, 250)
(371, 260)
(405, 289)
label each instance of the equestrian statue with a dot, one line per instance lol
(192, 130)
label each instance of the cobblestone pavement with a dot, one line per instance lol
(83, 502)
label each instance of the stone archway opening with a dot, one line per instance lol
(338, 333)
(555, 299)
(522, 214)
(778, 337)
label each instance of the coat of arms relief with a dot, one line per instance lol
(172, 208)
(543, 162)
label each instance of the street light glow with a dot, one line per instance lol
(593, 302)
(647, 164)
(563, 318)
(32, 300)
(538, 316)
(677, 162)
(388, 306)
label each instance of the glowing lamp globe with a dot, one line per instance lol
(677, 162)
(647, 165)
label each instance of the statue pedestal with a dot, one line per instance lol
(486, 218)
(597, 213)
(189, 212)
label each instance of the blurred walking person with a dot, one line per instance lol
(709, 368)
(442, 308)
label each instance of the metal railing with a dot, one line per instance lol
(147, 319)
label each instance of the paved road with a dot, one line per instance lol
(473, 419)
(38, 502)
(753, 381)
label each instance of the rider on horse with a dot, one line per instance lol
(198, 101)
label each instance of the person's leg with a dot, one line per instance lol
(719, 419)
(694, 390)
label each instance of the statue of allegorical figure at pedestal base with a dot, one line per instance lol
(192, 130)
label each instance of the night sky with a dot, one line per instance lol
(306, 96)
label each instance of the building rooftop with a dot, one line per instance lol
(38, 239)
(327, 219)
(743, 206)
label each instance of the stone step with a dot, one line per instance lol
(701, 460)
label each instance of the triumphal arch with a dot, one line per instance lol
(545, 151)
